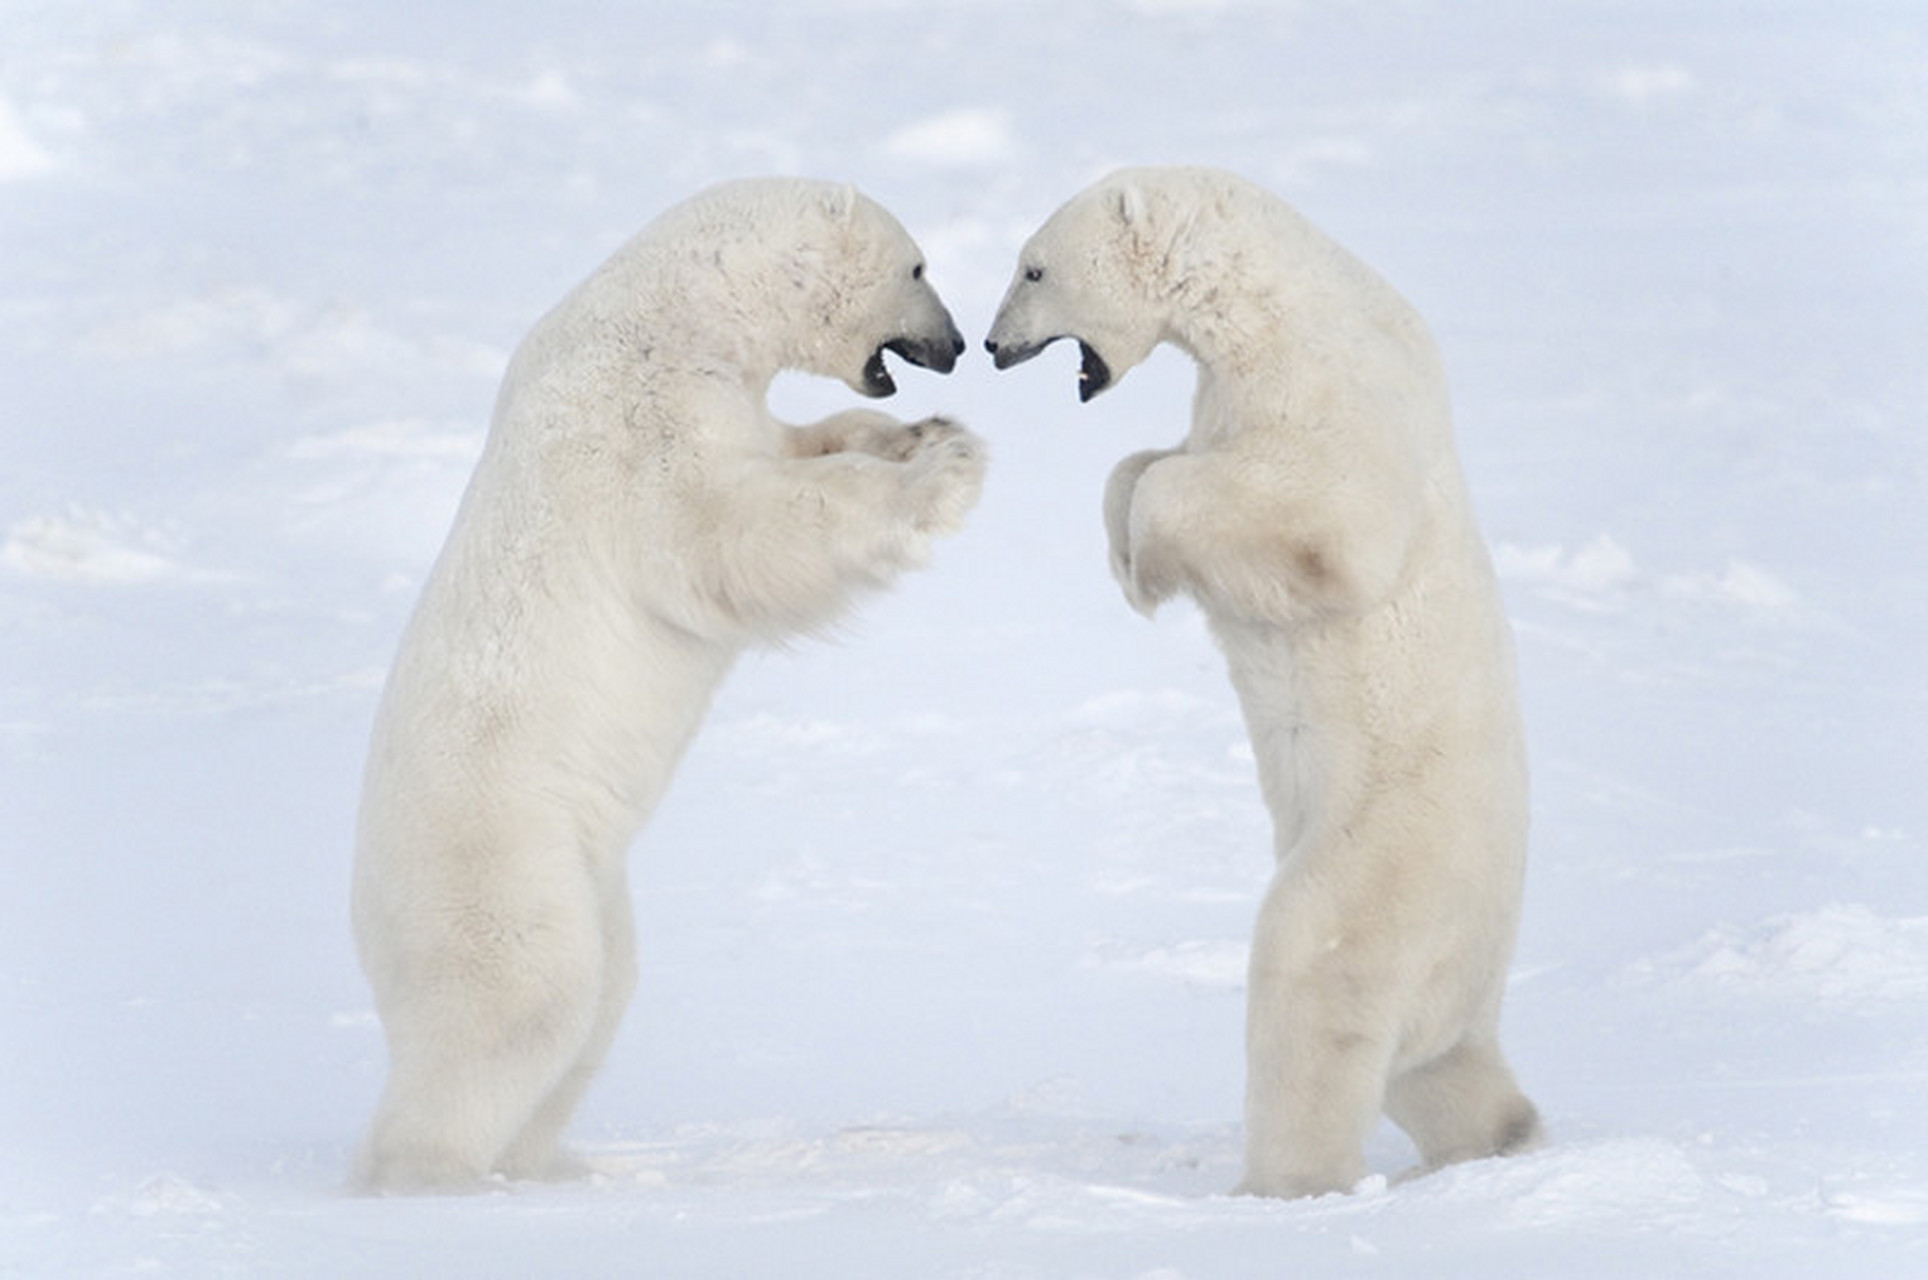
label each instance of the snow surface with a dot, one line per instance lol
(944, 921)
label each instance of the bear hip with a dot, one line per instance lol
(1377, 745)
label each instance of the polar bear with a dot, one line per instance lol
(1317, 514)
(636, 519)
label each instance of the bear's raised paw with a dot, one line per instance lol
(947, 473)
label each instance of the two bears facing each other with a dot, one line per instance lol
(638, 518)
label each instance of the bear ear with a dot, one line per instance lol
(840, 202)
(1129, 204)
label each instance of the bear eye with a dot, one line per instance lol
(917, 272)
(1034, 274)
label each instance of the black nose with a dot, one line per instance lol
(990, 346)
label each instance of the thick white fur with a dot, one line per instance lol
(1317, 513)
(636, 519)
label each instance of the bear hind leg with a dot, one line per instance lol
(474, 1059)
(537, 1152)
(445, 1117)
(1464, 1105)
(1306, 1125)
(1316, 1061)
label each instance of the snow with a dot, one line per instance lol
(943, 923)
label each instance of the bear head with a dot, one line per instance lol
(1100, 271)
(851, 285)
(793, 273)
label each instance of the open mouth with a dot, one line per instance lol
(877, 379)
(936, 354)
(1094, 375)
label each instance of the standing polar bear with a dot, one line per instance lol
(1317, 514)
(636, 519)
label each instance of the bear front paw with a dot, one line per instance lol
(936, 429)
(1120, 491)
(859, 431)
(1147, 579)
(904, 441)
(1141, 501)
(900, 442)
(947, 473)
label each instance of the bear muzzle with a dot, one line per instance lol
(937, 353)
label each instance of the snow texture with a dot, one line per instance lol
(943, 922)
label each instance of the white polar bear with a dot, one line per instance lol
(636, 519)
(1317, 514)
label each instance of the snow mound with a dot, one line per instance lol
(1628, 1178)
(1601, 576)
(1214, 964)
(1845, 957)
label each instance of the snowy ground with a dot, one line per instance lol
(943, 923)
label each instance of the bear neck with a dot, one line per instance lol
(1232, 328)
(1270, 333)
(1244, 277)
